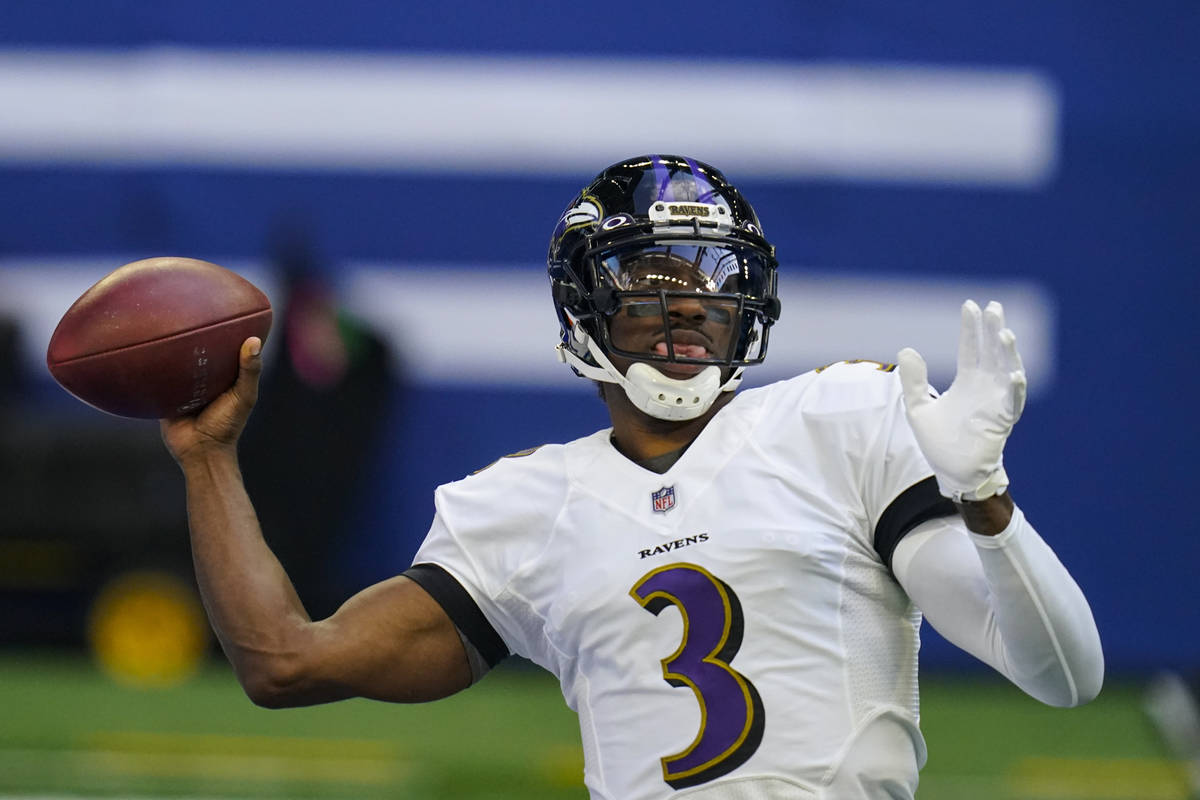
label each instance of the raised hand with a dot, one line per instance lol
(962, 432)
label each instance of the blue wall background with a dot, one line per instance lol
(1104, 463)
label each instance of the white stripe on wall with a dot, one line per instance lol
(496, 327)
(286, 110)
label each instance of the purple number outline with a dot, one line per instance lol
(702, 600)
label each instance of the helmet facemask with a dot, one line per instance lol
(680, 304)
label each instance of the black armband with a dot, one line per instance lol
(462, 610)
(918, 503)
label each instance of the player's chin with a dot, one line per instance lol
(679, 372)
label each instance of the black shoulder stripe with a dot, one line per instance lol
(918, 503)
(461, 608)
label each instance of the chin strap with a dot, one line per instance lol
(648, 389)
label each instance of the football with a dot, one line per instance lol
(157, 338)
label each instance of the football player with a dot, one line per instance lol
(728, 585)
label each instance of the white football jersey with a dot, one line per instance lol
(727, 628)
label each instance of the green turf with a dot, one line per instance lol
(65, 730)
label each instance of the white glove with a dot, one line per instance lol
(962, 433)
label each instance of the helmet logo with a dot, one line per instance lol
(586, 211)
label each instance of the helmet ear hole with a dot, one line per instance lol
(565, 294)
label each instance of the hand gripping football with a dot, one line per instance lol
(157, 338)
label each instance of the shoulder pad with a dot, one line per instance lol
(880, 366)
(518, 454)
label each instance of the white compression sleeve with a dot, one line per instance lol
(1007, 600)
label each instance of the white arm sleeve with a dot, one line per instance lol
(1007, 600)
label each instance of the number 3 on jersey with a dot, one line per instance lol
(731, 711)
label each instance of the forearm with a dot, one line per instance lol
(1007, 600)
(251, 603)
(1050, 638)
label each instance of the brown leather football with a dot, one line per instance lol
(157, 338)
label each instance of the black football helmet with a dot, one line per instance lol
(661, 261)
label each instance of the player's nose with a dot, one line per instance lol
(689, 309)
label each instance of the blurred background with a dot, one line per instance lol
(389, 174)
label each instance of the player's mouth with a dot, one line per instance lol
(684, 344)
(682, 350)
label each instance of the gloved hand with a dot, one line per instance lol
(962, 432)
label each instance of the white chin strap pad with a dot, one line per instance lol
(668, 398)
(648, 389)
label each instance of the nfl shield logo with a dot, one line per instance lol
(664, 499)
